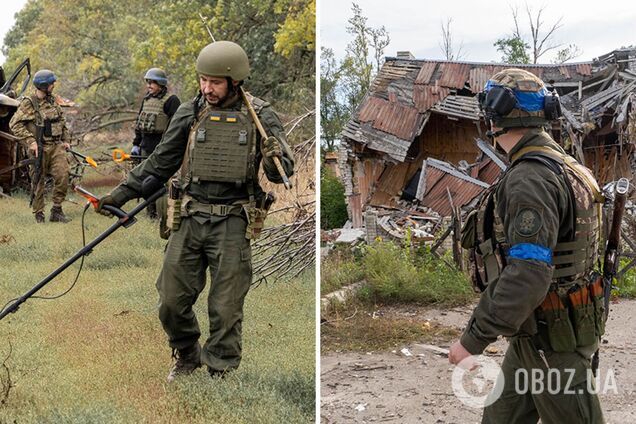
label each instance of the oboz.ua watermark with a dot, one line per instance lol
(477, 381)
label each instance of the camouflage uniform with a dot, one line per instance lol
(534, 243)
(211, 234)
(54, 161)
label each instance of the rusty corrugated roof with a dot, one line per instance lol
(425, 96)
(405, 91)
(438, 179)
(454, 75)
(426, 72)
(390, 117)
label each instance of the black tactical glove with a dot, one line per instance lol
(106, 200)
(271, 147)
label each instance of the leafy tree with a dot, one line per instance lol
(100, 50)
(333, 211)
(513, 49)
(333, 114)
(516, 49)
(344, 84)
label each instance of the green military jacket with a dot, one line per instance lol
(168, 157)
(22, 123)
(507, 306)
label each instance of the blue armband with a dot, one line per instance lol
(531, 251)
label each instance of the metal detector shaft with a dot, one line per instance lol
(124, 219)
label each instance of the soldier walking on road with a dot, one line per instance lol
(215, 199)
(534, 243)
(157, 108)
(40, 110)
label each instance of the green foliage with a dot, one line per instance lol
(100, 50)
(340, 269)
(344, 84)
(333, 210)
(513, 49)
(395, 274)
(333, 114)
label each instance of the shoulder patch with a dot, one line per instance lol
(528, 221)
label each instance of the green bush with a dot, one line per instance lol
(339, 269)
(333, 210)
(396, 274)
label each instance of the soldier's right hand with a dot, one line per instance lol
(106, 200)
(34, 148)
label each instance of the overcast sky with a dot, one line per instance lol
(9, 7)
(597, 28)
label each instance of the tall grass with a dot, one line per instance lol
(99, 354)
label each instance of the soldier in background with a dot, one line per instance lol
(213, 142)
(40, 109)
(157, 108)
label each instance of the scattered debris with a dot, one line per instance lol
(361, 407)
(6, 238)
(406, 352)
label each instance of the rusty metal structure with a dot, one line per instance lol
(11, 154)
(418, 135)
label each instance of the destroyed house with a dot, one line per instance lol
(427, 109)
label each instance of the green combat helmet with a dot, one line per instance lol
(515, 98)
(158, 75)
(43, 78)
(223, 59)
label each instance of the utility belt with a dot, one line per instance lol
(52, 140)
(573, 315)
(181, 205)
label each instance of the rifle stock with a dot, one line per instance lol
(611, 258)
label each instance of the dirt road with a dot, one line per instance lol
(414, 385)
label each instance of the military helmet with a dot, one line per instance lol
(223, 59)
(43, 78)
(158, 75)
(518, 98)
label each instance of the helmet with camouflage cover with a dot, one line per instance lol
(158, 75)
(515, 98)
(43, 78)
(223, 59)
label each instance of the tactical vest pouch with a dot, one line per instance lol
(489, 258)
(173, 209)
(469, 230)
(222, 147)
(596, 294)
(583, 316)
(255, 221)
(560, 330)
(48, 130)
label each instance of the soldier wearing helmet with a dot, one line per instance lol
(533, 244)
(213, 146)
(157, 108)
(40, 109)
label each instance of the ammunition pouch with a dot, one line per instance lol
(255, 221)
(574, 315)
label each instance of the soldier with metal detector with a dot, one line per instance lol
(41, 127)
(534, 243)
(216, 206)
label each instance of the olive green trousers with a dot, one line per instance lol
(531, 391)
(202, 243)
(54, 163)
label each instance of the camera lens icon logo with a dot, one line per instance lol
(477, 381)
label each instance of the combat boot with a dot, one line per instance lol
(57, 215)
(188, 360)
(39, 217)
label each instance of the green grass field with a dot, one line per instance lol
(99, 355)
